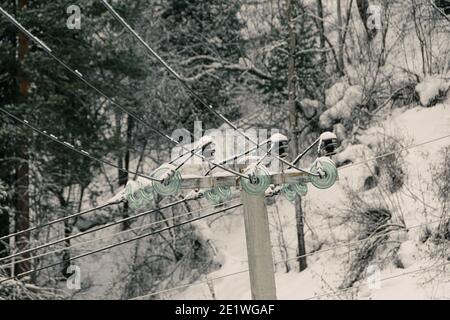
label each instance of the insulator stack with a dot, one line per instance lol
(170, 180)
(218, 195)
(258, 181)
(280, 143)
(327, 173)
(139, 196)
(328, 144)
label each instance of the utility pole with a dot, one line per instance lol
(259, 249)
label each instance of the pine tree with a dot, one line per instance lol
(199, 38)
(306, 57)
(61, 104)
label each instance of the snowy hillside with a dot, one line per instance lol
(331, 240)
(119, 163)
(324, 208)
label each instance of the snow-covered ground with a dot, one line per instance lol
(416, 204)
(327, 234)
(326, 270)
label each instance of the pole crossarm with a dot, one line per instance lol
(290, 176)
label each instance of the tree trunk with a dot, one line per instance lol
(22, 206)
(22, 202)
(66, 252)
(340, 37)
(300, 234)
(67, 233)
(323, 54)
(293, 123)
(130, 125)
(363, 6)
(120, 173)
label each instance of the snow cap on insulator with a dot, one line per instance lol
(281, 142)
(278, 137)
(204, 141)
(208, 147)
(327, 135)
(328, 144)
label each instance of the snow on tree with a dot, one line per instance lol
(335, 93)
(343, 108)
(431, 90)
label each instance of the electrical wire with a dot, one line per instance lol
(51, 243)
(382, 279)
(80, 76)
(139, 228)
(129, 218)
(71, 147)
(393, 152)
(352, 243)
(328, 249)
(235, 157)
(120, 243)
(119, 18)
(46, 224)
(300, 156)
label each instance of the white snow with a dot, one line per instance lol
(407, 253)
(324, 230)
(343, 108)
(431, 88)
(356, 176)
(335, 93)
(326, 270)
(310, 107)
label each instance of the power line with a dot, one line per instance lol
(362, 162)
(78, 244)
(70, 146)
(189, 285)
(383, 279)
(121, 243)
(133, 229)
(237, 156)
(48, 244)
(188, 88)
(328, 249)
(46, 224)
(393, 152)
(108, 225)
(129, 218)
(80, 76)
(290, 259)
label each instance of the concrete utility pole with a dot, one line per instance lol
(290, 182)
(259, 249)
